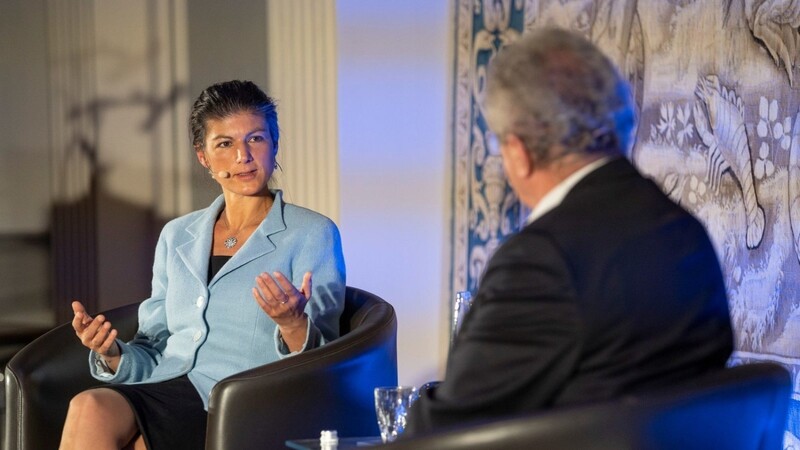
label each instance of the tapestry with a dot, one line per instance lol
(717, 89)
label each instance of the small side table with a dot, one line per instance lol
(347, 443)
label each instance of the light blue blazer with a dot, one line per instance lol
(210, 330)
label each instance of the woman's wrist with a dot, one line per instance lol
(113, 352)
(112, 357)
(300, 323)
(294, 335)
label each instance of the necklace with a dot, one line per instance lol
(231, 241)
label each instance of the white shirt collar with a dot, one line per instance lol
(555, 196)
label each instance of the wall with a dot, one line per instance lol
(224, 43)
(393, 71)
(137, 115)
(24, 200)
(23, 85)
(301, 44)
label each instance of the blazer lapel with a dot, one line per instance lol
(259, 243)
(196, 251)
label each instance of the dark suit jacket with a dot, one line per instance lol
(617, 289)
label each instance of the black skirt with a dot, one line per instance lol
(169, 414)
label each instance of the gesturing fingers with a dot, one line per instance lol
(305, 288)
(277, 296)
(262, 302)
(81, 319)
(97, 333)
(101, 332)
(269, 292)
(89, 331)
(77, 324)
(105, 347)
(286, 286)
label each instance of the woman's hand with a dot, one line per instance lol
(96, 334)
(285, 304)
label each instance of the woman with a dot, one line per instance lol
(232, 289)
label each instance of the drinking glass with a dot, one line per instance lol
(461, 306)
(391, 406)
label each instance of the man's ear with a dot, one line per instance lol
(517, 155)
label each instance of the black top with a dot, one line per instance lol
(216, 263)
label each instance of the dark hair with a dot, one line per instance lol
(227, 98)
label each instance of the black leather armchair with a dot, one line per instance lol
(741, 408)
(326, 388)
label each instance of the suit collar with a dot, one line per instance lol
(619, 166)
(557, 194)
(616, 169)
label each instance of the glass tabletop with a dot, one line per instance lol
(344, 443)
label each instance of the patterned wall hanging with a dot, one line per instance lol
(717, 89)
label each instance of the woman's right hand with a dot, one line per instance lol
(96, 334)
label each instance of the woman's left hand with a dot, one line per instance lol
(285, 304)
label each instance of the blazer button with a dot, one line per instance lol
(197, 336)
(200, 301)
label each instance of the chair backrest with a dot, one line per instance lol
(741, 408)
(42, 378)
(358, 305)
(330, 387)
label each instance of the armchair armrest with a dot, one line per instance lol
(43, 377)
(330, 387)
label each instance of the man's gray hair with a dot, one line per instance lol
(554, 87)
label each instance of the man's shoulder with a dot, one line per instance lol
(606, 213)
(612, 193)
(532, 243)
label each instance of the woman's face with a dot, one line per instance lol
(240, 146)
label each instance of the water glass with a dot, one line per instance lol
(391, 406)
(461, 306)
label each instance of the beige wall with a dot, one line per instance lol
(24, 124)
(25, 182)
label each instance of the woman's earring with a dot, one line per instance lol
(277, 166)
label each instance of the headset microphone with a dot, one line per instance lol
(220, 174)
